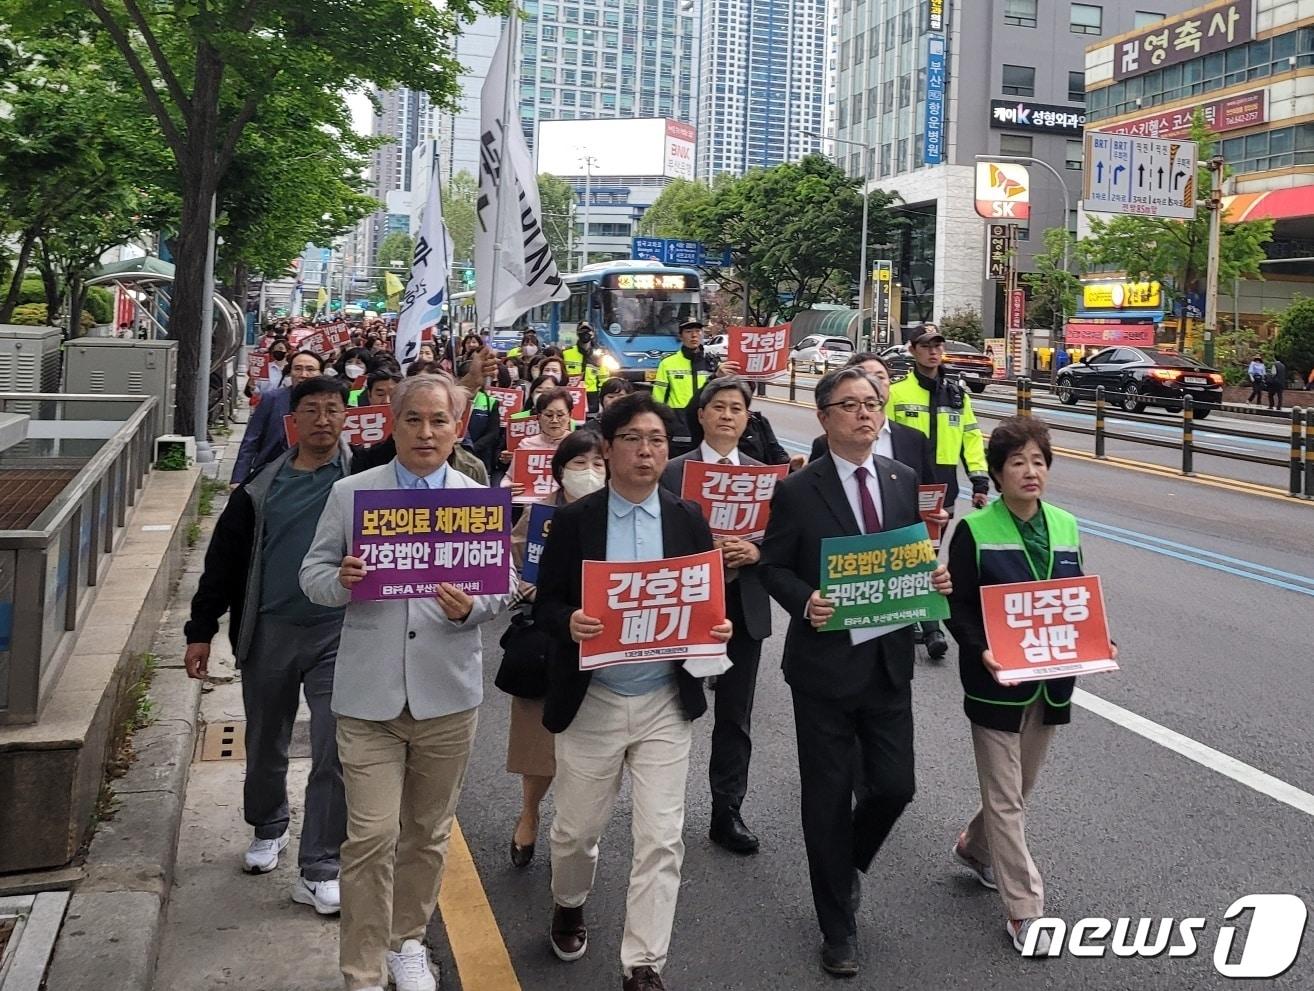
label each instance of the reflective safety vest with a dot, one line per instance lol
(577, 367)
(1002, 559)
(677, 384)
(957, 434)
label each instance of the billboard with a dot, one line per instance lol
(1183, 37)
(1228, 114)
(635, 147)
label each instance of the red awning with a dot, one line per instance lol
(1276, 204)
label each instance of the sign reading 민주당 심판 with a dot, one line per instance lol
(881, 579)
(1049, 629)
(412, 539)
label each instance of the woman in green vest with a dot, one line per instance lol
(1017, 538)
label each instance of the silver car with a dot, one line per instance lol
(817, 353)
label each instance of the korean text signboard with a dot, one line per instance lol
(881, 579)
(532, 468)
(338, 334)
(999, 250)
(935, 16)
(317, 342)
(1144, 176)
(735, 499)
(364, 426)
(509, 402)
(1184, 37)
(518, 430)
(540, 525)
(653, 610)
(1022, 115)
(1049, 629)
(412, 539)
(933, 126)
(1003, 192)
(762, 352)
(1229, 114)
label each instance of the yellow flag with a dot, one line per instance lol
(321, 300)
(393, 285)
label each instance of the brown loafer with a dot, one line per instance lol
(521, 855)
(570, 937)
(643, 979)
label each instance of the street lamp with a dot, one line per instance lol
(588, 161)
(862, 257)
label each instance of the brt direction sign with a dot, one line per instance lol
(1003, 192)
(1146, 176)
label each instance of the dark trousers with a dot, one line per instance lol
(284, 660)
(732, 741)
(875, 728)
(1274, 398)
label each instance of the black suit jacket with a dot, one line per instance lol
(911, 446)
(809, 506)
(753, 598)
(579, 534)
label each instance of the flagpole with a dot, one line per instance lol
(447, 279)
(502, 168)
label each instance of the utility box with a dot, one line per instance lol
(29, 358)
(111, 366)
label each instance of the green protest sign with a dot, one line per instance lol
(881, 579)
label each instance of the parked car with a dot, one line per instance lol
(817, 352)
(971, 364)
(1138, 377)
(716, 346)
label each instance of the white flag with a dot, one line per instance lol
(526, 274)
(422, 304)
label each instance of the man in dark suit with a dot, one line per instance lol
(634, 716)
(852, 693)
(913, 448)
(722, 411)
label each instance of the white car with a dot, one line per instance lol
(716, 346)
(818, 353)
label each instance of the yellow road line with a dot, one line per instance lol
(481, 955)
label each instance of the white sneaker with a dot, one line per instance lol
(262, 855)
(984, 872)
(409, 968)
(1018, 930)
(324, 895)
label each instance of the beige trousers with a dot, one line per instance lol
(1006, 767)
(403, 779)
(649, 735)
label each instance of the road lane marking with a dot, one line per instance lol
(482, 959)
(1214, 760)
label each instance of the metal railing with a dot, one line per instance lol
(50, 569)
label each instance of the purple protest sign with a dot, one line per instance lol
(412, 539)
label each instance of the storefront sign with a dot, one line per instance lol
(999, 248)
(1230, 114)
(1003, 191)
(1121, 296)
(1138, 335)
(935, 16)
(1017, 309)
(933, 140)
(1184, 37)
(1019, 115)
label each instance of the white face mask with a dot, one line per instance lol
(529, 350)
(355, 371)
(579, 482)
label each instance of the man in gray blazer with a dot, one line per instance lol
(408, 683)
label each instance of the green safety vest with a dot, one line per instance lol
(577, 367)
(957, 434)
(1002, 559)
(677, 385)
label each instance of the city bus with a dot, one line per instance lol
(635, 308)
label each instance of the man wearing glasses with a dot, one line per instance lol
(283, 642)
(852, 692)
(628, 716)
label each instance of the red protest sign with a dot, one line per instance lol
(735, 499)
(317, 342)
(533, 469)
(1049, 629)
(339, 335)
(653, 610)
(579, 399)
(518, 430)
(509, 401)
(364, 426)
(762, 352)
(930, 499)
(257, 364)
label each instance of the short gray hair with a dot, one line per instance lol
(716, 386)
(457, 396)
(837, 376)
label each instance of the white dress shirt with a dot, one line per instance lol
(708, 453)
(885, 443)
(848, 479)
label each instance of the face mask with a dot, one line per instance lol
(579, 482)
(355, 371)
(279, 356)
(529, 350)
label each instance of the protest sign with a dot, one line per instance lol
(257, 365)
(338, 334)
(1049, 629)
(532, 468)
(518, 430)
(509, 401)
(653, 610)
(412, 539)
(579, 400)
(881, 579)
(930, 499)
(735, 499)
(317, 342)
(364, 426)
(762, 352)
(540, 525)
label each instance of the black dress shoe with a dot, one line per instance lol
(569, 934)
(839, 958)
(642, 979)
(936, 645)
(728, 831)
(521, 855)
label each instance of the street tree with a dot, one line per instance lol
(794, 231)
(1295, 337)
(459, 196)
(1053, 287)
(557, 197)
(1176, 252)
(667, 217)
(205, 71)
(397, 247)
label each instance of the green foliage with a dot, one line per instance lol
(36, 315)
(210, 488)
(99, 302)
(173, 457)
(667, 217)
(459, 196)
(396, 247)
(32, 292)
(1234, 348)
(557, 198)
(1053, 288)
(964, 324)
(1295, 337)
(794, 231)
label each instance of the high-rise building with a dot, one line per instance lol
(407, 117)
(458, 131)
(763, 83)
(1009, 81)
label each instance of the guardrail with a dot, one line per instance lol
(49, 571)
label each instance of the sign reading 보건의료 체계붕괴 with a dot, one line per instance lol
(1023, 116)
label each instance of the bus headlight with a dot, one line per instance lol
(610, 363)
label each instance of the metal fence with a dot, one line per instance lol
(51, 566)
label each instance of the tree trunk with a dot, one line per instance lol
(188, 297)
(76, 294)
(49, 282)
(20, 267)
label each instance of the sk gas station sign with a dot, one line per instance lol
(1003, 192)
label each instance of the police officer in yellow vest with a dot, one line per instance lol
(581, 366)
(680, 378)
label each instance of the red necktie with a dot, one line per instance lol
(871, 520)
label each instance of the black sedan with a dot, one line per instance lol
(1134, 378)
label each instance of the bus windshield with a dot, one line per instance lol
(629, 313)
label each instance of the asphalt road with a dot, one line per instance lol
(1209, 595)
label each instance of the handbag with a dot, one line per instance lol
(526, 654)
